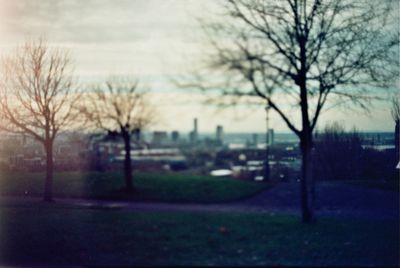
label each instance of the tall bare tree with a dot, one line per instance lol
(121, 109)
(37, 96)
(296, 53)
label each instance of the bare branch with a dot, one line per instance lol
(118, 106)
(37, 91)
(306, 49)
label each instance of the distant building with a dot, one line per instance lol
(255, 140)
(137, 135)
(270, 136)
(219, 133)
(193, 135)
(175, 136)
(195, 130)
(159, 137)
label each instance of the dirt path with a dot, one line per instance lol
(333, 199)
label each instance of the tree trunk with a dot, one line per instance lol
(397, 140)
(307, 183)
(128, 163)
(48, 188)
(267, 172)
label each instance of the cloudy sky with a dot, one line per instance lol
(153, 40)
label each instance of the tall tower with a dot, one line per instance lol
(219, 133)
(270, 136)
(195, 130)
(195, 125)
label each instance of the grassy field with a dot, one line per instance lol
(52, 234)
(151, 187)
(392, 185)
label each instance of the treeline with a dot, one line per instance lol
(340, 155)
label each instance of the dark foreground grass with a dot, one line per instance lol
(390, 185)
(55, 235)
(150, 187)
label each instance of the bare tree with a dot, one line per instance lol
(296, 53)
(120, 109)
(37, 97)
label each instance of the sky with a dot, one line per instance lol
(154, 41)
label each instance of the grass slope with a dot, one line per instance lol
(151, 187)
(50, 234)
(391, 185)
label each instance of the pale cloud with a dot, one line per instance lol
(99, 21)
(140, 38)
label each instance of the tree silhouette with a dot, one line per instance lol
(37, 97)
(293, 54)
(121, 110)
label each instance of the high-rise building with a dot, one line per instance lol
(195, 125)
(270, 136)
(159, 137)
(194, 134)
(219, 133)
(191, 136)
(255, 140)
(175, 136)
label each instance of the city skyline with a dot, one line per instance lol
(199, 133)
(123, 38)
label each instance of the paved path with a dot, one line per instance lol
(333, 199)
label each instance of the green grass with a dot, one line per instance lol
(151, 187)
(54, 235)
(391, 185)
